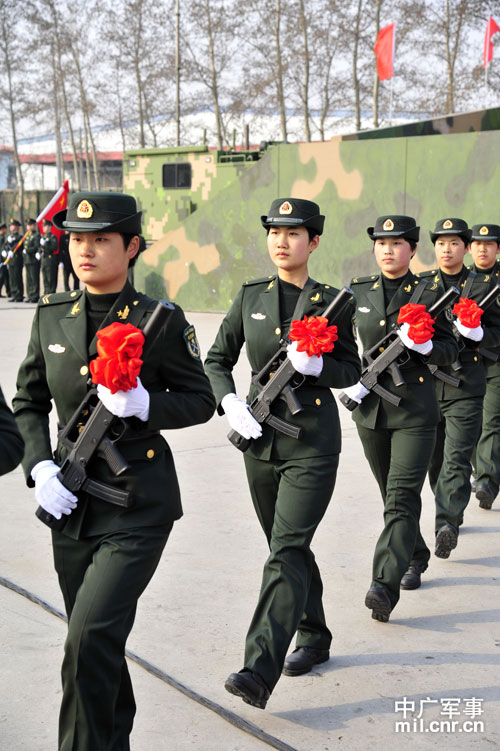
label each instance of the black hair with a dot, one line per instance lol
(127, 239)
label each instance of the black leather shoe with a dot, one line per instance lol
(484, 495)
(303, 659)
(249, 686)
(446, 541)
(412, 577)
(378, 600)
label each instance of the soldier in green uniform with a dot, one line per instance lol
(105, 554)
(31, 259)
(14, 261)
(485, 246)
(291, 481)
(50, 258)
(398, 441)
(11, 443)
(4, 274)
(460, 406)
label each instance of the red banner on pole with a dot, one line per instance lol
(384, 51)
(58, 202)
(491, 28)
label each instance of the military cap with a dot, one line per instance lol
(47, 222)
(486, 232)
(30, 221)
(14, 221)
(451, 226)
(93, 211)
(3, 226)
(294, 212)
(395, 225)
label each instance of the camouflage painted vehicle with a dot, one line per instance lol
(200, 258)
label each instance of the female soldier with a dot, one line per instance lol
(398, 441)
(291, 481)
(105, 554)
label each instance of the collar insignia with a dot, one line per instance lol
(408, 288)
(315, 297)
(75, 309)
(123, 314)
(270, 285)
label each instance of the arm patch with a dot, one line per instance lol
(192, 342)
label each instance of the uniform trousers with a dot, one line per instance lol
(49, 274)
(487, 455)
(101, 579)
(290, 498)
(450, 467)
(399, 459)
(33, 280)
(16, 283)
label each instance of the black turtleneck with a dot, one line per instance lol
(391, 286)
(98, 307)
(450, 280)
(288, 296)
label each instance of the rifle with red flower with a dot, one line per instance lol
(279, 379)
(93, 429)
(390, 351)
(467, 328)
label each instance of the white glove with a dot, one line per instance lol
(476, 334)
(132, 403)
(50, 492)
(42, 241)
(357, 392)
(10, 254)
(37, 256)
(303, 363)
(24, 251)
(239, 417)
(423, 349)
(4, 253)
(11, 238)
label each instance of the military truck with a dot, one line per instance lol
(207, 238)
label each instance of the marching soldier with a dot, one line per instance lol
(398, 441)
(4, 274)
(14, 261)
(50, 258)
(291, 481)
(485, 246)
(31, 258)
(105, 554)
(460, 406)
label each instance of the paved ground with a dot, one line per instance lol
(439, 654)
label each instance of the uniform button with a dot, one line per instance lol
(277, 331)
(475, 358)
(318, 402)
(381, 323)
(150, 453)
(381, 349)
(84, 370)
(327, 286)
(421, 379)
(73, 294)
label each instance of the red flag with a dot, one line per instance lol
(491, 28)
(384, 51)
(58, 202)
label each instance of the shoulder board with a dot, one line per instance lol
(329, 289)
(364, 279)
(61, 297)
(427, 274)
(262, 280)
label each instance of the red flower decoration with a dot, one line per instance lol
(468, 312)
(119, 348)
(419, 320)
(313, 335)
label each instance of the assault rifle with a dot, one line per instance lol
(282, 383)
(390, 349)
(485, 303)
(94, 430)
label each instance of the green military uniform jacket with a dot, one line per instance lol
(31, 246)
(419, 404)
(472, 373)
(47, 246)
(11, 443)
(10, 243)
(254, 319)
(491, 279)
(57, 368)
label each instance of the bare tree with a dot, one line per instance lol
(10, 56)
